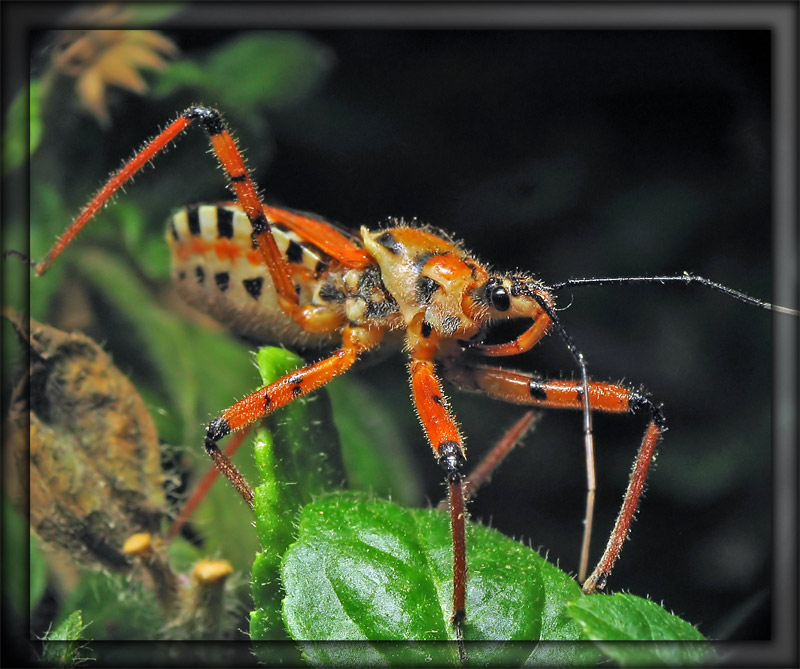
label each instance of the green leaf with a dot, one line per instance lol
(71, 629)
(21, 138)
(368, 570)
(60, 648)
(624, 617)
(298, 457)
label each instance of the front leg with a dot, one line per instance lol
(258, 404)
(445, 439)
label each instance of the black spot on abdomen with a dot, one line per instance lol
(254, 286)
(193, 218)
(224, 223)
(294, 252)
(222, 279)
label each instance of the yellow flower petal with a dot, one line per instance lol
(155, 40)
(91, 94)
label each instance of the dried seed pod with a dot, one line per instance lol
(204, 614)
(150, 553)
(95, 472)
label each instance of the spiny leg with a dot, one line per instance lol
(310, 317)
(630, 502)
(231, 159)
(258, 404)
(448, 447)
(520, 388)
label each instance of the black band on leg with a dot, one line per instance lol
(216, 430)
(640, 400)
(210, 118)
(451, 459)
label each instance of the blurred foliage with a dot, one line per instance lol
(16, 533)
(114, 607)
(291, 67)
(568, 154)
(100, 59)
(382, 466)
(23, 121)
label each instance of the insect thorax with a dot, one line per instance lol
(430, 276)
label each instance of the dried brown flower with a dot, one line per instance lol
(99, 59)
(95, 471)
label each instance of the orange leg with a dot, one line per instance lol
(519, 388)
(230, 158)
(443, 435)
(232, 162)
(264, 401)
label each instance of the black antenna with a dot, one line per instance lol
(684, 279)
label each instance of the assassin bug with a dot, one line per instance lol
(280, 275)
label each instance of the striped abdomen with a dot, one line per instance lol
(216, 269)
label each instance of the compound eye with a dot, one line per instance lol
(499, 299)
